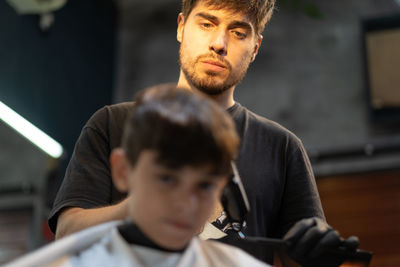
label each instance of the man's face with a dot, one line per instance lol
(171, 205)
(217, 46)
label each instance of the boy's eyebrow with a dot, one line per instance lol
(165, 169)
(232, 25)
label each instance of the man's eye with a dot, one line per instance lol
(239, 35)
(206, 25)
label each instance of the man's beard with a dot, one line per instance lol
(208, 84)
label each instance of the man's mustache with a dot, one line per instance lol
(216, 58)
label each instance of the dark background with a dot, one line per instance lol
(57, 79)
(309, 76)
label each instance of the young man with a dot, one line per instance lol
(218, 40)
(175, 160)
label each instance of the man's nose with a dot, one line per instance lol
(219, 43)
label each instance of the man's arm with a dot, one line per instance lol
(301, 198)
(74, 219)
(87, 183)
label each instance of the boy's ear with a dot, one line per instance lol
(179, 32)
(120, 169)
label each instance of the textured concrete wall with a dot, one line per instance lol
(308, 75)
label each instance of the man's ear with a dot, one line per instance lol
(181, 23)
(256, 47)
(120, 168)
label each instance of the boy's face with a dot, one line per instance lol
(217, 46)
(171, 205)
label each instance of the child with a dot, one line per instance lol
(174, 162)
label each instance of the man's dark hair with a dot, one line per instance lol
(184, 128)
(258, 11)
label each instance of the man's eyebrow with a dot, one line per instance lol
(240, 24)
(207, 16)
(232, 25)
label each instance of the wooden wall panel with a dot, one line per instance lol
(368, 206)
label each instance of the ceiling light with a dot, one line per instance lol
(30, 131)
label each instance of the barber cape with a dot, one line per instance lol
(103, 245)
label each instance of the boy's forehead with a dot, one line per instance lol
(198, 171)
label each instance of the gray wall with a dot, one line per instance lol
(308, 75)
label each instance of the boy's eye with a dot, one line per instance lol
(166, 179)
(207, 186)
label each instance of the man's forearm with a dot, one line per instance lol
(73, 219)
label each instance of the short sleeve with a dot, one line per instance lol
(87, 182)
(300, 197)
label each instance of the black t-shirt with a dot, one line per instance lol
(272, 164)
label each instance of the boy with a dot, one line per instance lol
(174, 162)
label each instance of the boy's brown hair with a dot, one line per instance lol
(185, 128)
(258, 11)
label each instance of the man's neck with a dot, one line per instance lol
(225, 99)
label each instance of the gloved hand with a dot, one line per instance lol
(312, 242)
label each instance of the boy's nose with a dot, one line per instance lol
(187, 202)
(219, 43)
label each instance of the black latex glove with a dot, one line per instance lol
(312, 242)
